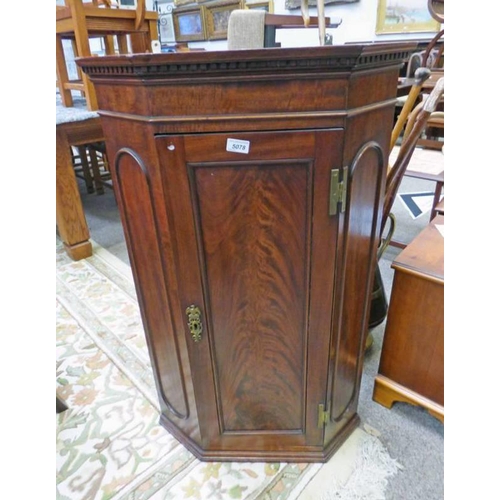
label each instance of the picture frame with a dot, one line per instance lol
(166, 30)
(216, 16)
(189, 24)
(164, 6)
(181, 3)
(404, 16)
(268, 5)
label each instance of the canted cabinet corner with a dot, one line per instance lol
(249, 185)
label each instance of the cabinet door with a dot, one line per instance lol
(255, 253)
(357, 241)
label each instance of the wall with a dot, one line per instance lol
(358, 25)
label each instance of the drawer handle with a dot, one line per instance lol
(193, 314)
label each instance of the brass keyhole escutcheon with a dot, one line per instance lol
(193, 314)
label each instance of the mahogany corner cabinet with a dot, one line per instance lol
(249, 185)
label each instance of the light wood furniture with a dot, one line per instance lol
(80, 21)
(415, 124)
(256, 317)
(77, 127)
(412, 360)
(90, 164)
(433, 134)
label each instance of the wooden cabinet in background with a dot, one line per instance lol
(412, 361)
(250, 185)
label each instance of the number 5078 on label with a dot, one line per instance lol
(238, 146)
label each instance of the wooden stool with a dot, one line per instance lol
(80, 21)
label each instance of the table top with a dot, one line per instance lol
(424, 256)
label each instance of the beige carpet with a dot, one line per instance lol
(109, 443)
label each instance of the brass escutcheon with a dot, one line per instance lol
(194, 322)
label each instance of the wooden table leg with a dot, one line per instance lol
(71, 221)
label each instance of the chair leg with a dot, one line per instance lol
(139, 43)
(122, 44)
(87, 175)
(109, 45)
(437, 197)
(153, 32)
(94, 162)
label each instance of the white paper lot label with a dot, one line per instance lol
(238, 146)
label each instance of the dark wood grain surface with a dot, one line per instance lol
(282, 286)
(139, 219)
(254, 222)
(251, 234)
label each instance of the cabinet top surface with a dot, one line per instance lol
(327, 58)
(425, 254)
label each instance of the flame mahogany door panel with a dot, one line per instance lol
(256, 255)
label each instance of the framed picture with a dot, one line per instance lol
(163, 6)
(180, 3)
(404, 16)
(166, 30)
(268, 6)
(189, 24)
(217, 17)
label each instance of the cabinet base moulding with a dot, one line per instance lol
(309, 455)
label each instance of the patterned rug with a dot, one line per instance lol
(109, 442)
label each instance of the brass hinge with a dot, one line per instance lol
(338, 190)
(323, 415)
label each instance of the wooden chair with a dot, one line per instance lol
(433, 134)
(80, 21)
(90, 162)
(416, 123)
(253, 28)
(433, 57)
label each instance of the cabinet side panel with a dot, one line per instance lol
(132, 182)
(359, 242)
(253, 225)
